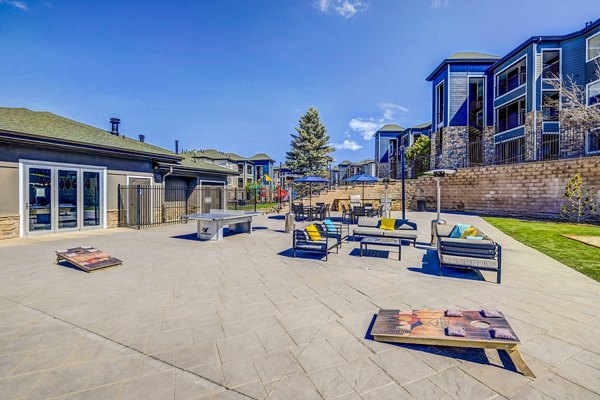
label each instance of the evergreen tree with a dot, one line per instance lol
(310, 150)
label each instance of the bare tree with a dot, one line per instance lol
(572, 101)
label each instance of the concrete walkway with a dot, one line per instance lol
(183, 319)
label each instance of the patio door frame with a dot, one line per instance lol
(54, 167)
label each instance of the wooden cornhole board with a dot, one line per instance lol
(428, 327)
(87, 258)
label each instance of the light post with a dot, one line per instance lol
(289, 216)
(386, 207)
(403, 183)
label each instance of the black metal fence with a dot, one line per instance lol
(141, 206)
(550, 143)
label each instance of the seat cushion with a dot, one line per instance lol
(469, 262)
(313, 232)
(401, 234)
(371, 222)
(366, 231)
(444, 230)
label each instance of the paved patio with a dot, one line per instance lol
(242, 319)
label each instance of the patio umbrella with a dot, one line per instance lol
(362, 178)
(310, 179)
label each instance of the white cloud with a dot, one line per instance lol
(21, 5)
(345, 8)
(390, 109)
(366, 128)
(347, 145)
(439, 3)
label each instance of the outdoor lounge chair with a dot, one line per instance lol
(302, 242)
(358, 212)
(298, 210)
(484, 255)
(342, 231)
(346, 214)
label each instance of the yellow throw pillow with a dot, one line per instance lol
(387, 224)
(313, 232)
(469, 232)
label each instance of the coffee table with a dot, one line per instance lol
(381, 241)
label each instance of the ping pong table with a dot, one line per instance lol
(211, 224)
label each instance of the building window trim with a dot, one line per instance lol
(587, 93)
(496, 119)
(437, 105)
(559, 64)
(587, 142)
(526, 58)
(587, 48)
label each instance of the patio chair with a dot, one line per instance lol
(346, 213)
(339, 235)
(320, 211)
(367, 205)
(301, 242)
(376, 212)
(328, 210)
(358, 212)
(298, 210)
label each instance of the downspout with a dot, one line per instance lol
(535, 56)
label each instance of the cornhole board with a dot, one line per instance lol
(87, 258)
(428, 327)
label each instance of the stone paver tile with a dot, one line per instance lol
(42, 360)
(589, 358)
(8, 362)
(330, 383)
(170, 340)
(101, 393)
(61, 381)
(433, 357)
(212, 372)
(545, 319)
(461, 386)
(349, 347)
(317, 355)
(161, 386)
(528, 392)
(579, 334)
(294, 387)
(18, 386)
(254, 390)
(203, 353)
(426, 390)
(350, 396)
(525, 331)
(561, 389)
(229, 395)
(318, 315)
(580, 373)
(238, 347)
(493, 374)
(549, 349)
(402, 366)
(389, 392)
(313, 332)
(189, 386)
(363, 375)
(207, 332)
(273, 366)
(240, 372)
(112, 371)
(275, 339)
(86, 353)
(244, 326)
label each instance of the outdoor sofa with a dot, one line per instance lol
(484, 254)
(301, 241)
(370, 226)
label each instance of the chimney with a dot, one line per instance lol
(114, 122)
(177, 147)
(142, 137)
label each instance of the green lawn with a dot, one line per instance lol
(545, 237)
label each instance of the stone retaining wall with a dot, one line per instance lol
(527, 190)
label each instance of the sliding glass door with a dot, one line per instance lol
(62, 198)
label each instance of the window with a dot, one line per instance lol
(476, 96)
(593, 141)
(511, 78)
(551, 64)
(593, 93)
(511, 115)
(550, 104)
(439, 103)
(593, 47)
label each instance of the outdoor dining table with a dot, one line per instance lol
(309, 211)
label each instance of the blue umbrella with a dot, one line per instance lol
(362, 178)
(310, 179)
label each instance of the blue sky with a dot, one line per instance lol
(237, 75)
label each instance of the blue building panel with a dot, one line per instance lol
(511, 96)
(512, 134)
